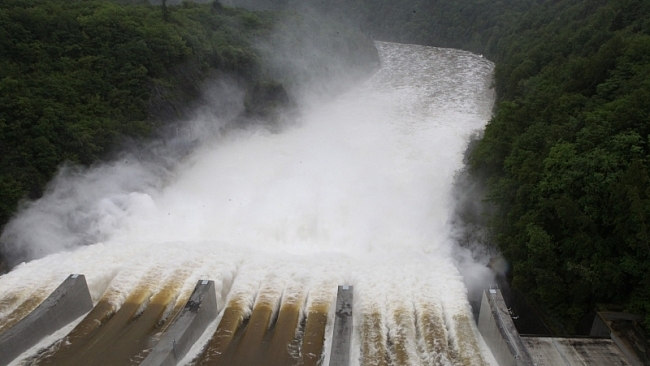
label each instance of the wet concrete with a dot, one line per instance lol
(283, 348)
(553, 351)
(187, 327)
(67, 303)
(93, 348)
(311, 349)
(274, 332)
(340, 354)
(135, 337)
(373, 340)
(433, 334)
(499, 332)
(75, 340)
(116, 333)
(469, 353)
(627, 333)
(251, 348)
(8, 302)
(4, 267)
(231, 321)
(269, 336)
(26, 306)
(404, 338)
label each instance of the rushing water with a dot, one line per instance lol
(357, 192)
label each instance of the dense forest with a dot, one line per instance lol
(564, 161)
(566, 156)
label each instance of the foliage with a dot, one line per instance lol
(566, 156)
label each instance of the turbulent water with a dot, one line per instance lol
(356, 192)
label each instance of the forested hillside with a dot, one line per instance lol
(566, 157)
(77, 78)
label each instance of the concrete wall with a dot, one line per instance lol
(499, 332)
(67, 303)
(625, 331)
(558, 351)
(200, 310)
(599, 328)
(340, 355)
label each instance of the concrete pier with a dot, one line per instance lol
(626, 332)
(572, 351)
(340, 355)
(499, 332)
(200, 310)
(67, 303)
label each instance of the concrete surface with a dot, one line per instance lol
(67, 303)
(340, 353)
(200, 310)
(553, 351)
(626, 332)
(499, 332)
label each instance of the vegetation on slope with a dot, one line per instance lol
(566, 156)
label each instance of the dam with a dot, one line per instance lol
(262, 338)
(242, 252)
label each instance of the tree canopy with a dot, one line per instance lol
(566, 156)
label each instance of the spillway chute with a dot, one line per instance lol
(285, 325)
(186, 329)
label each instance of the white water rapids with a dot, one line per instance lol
(357, 192)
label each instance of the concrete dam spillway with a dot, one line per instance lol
(263, 227)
